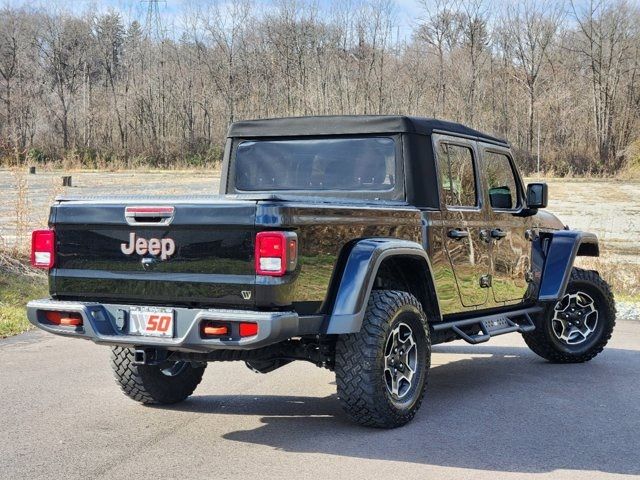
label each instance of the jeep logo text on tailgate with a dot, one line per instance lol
(165, 247)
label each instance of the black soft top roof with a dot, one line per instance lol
(351, 124)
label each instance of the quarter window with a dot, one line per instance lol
(457, 175)
(503, 189)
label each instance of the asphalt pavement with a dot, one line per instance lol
(491, 411)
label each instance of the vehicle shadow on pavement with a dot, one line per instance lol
(503, 409)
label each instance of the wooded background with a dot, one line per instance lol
(116, 87)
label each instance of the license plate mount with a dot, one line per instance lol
(151, 321)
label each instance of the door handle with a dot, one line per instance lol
(497, 233)
(457, 234)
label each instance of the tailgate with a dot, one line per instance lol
(152, 251)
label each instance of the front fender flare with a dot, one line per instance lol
(565, 245)
(358, 277)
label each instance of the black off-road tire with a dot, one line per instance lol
(360, 359)
(148, 384)
(543, 341)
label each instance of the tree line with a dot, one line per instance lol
(110, 87)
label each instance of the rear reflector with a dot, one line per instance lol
(212, 329)
(215, 331)
(248, 329)
(64, 319)
(43, 254)
(276, 253)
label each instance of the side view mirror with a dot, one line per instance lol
(537, 195)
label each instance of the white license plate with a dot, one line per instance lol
(151, 321)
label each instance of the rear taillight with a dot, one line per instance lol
(276, 253)
(248, 329)
(43, 253)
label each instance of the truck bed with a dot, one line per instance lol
(214, 236)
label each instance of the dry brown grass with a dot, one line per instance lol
(18, 281)
(74, 163)
(18, 284)
(21, 212)
(632, 168)
(623, 278)
(20, 219)
(133, 166)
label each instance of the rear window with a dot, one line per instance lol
(366, 163)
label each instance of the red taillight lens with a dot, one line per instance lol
(276, 253)
(248, 329)
(43, 253)
(65, 319)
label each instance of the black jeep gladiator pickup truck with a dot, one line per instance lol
(352, 242)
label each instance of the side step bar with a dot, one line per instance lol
(491, 325)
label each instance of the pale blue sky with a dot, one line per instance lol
(407, 12)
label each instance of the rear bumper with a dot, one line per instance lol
(100, 326)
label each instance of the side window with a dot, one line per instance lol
(503, 189)
(457, 175)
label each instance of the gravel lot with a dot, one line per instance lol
(628, 311)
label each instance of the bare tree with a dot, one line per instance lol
(224, 25)
(604, 39)
(9, 47)
(475, 39)
(532, 26)
(63, 46)
(109, 37)
(441, 30)
(104, 87)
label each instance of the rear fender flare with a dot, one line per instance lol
(358, 276)
(564, 246)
